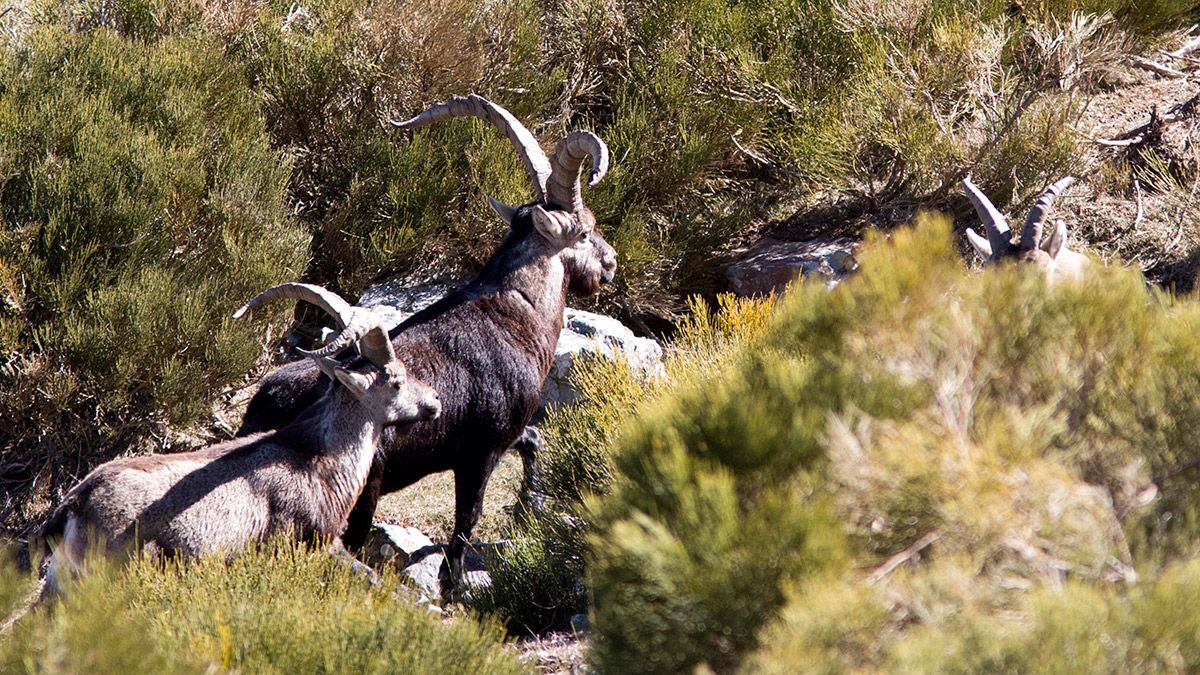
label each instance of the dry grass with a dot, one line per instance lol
(429, 504)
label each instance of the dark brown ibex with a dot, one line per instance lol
(486, 347)
(1050, 254)
(303, 478)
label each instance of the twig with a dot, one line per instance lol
(902, 557)
(1155, 67)
(1122, 143)
(1137, 189)
(748, 152)
(1187, 48)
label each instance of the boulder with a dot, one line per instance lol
(588, 335)
(584, 334)
(420, 560)
(771, 264)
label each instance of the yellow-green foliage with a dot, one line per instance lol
(537, 584)
(141, 204)
(1006, 435)
(1083, 628)
(278, 609)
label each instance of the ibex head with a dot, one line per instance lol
(1050, 255)
(559, 215)
(379, 381)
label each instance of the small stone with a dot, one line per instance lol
(393, 545)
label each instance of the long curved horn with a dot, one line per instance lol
(327, 300)
(536, 163)
(563, 187)
(997, 229)
(355, 323)
(1031, 236)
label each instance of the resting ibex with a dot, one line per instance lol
(486, 347)
(1050, 254)
(302, 479)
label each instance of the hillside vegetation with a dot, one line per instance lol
(928, 469)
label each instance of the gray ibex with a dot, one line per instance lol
(1050, 254)
(302, 479)
(486, 347)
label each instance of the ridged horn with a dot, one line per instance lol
(536, 163)
(998, 232)
(563, 189)
(327, 300)
(1031, 236)
(377, 346)
(355, 324)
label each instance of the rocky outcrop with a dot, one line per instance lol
(772, 264)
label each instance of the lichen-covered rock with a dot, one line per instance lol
(771, 264)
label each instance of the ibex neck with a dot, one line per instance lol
(349, 437)
(530, 271)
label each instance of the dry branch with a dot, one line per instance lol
(1155, 67)
(903, 557)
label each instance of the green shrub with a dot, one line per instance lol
(719, 114)
(283, 608)
(538, 580)
(142, 203)
(1002, 432)
(846, 627)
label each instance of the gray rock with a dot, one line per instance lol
(771, 265)
(407, 549)
(396, 300)
(423, 569)
(393, 545)
(420, 560)
(584, 335)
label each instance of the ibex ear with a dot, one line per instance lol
(558, 227)
(981, 245)
(326, 365)
(506, 212)
(1057, 241)
(357, 383)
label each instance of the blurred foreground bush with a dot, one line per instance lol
(1010, 439)
(282, 608)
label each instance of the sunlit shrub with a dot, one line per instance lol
(283, 608)
(141, 204)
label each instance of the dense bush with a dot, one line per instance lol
(278, 609)
(1005, 439)
(1008, 432)
(142, 203)
(537, 582)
